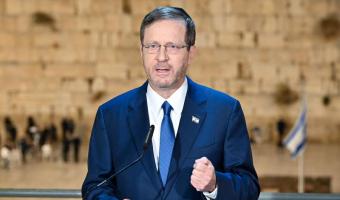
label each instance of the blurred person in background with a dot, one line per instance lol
(68, 127)
(10, 129)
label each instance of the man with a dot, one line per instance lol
(200, 148)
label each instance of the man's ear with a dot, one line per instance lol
(141, 50)
(192, 53)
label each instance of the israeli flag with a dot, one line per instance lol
(297, 138)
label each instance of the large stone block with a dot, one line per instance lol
(287, 73)
(314, 86)
(135, 72)
(269, 24)
(2, 7)
(320, 8)
(19, 7)
(203, 23)
(329, 87)
(296, 7)
(269, 7)
(229, 39)
(51, 55)
(271, 40)
(123, 23)
(35, 99)
(7, 39)
(219, 84)
(90, 23)
(218, 7)
(239, 23)
(256, 106)
(136, 22)
(18, 24)
(297, 25)
(21, 71)
(301, 41)
(243, 87)
(83, 100)
(64, 7)
(23, 40)
(3, 105)
(67, 55)
(140, 7)
(24, 55)
(81, 40)
(219, 23)
(207, 39)
(106, 54)
(68, 40)
(112, 70)
(322, 54)
(74, 85)
(266, 71)
(247, 7)
(102, 7)
(44, 84)
(213, 71)
(117, 22)
(83, 7)
(125, 41)
(129, 56)
(116, 87)
(205, 56)
(199, 7)
(15, 7)
(46, 39)
(70, 70)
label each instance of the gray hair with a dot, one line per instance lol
(169, 12)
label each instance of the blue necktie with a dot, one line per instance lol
(166, 142)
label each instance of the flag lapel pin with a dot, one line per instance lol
(195, 120)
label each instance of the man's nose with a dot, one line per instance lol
(162, 55)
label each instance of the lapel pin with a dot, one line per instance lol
(195, 119)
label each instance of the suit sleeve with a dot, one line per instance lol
(100, 165)
(239, 180)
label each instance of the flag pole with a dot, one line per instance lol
(296, 140)
(301, 180)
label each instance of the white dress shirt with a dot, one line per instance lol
(155, 102)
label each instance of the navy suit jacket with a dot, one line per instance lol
(119, 131)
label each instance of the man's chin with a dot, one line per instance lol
(163, 84)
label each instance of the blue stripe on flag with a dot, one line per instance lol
(297, 138)
(300, 125)
(299, 148)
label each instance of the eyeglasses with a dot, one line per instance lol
(170, 48)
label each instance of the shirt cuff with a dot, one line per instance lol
(211, 195)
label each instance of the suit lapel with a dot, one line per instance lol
(193, 116)
(138, 121)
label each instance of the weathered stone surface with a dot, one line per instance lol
(244, 47)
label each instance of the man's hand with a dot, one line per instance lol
(203, 176)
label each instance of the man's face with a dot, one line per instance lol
(166, 68)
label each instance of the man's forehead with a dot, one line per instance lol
(166, 21)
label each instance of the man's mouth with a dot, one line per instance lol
(162, 69)
(162, 72)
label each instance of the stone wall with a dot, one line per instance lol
(58, 56)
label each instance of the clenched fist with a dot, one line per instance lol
(203, 176)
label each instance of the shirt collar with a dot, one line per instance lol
(176, 100)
